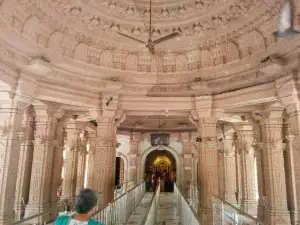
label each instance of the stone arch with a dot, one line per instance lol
(80, 53)
(233, 53)
(146, 152)
(31, 27)
(181, 63)
(267, 30)
(55, 42)
(131, 62)
(126, 169)
(6, 10)
(69, 45)
(251, 43)
(106, 58)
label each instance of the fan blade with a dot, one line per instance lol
(165, 38)
(133, 38)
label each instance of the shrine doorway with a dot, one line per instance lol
(159, 164)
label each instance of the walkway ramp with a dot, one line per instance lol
(167, 211)
(138, 216)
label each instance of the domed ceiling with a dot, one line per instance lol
(220, 41)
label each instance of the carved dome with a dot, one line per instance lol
(219, 40)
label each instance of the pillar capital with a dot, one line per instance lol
(135, 137)
(185, 137)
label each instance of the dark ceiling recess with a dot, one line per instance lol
(93, 122)
(197, 79)
(265, 59)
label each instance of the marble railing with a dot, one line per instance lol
(187, 213)
(226, 213)
(122, 188)
(193, 197)
(151, 213)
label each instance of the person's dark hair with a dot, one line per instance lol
(86, 200)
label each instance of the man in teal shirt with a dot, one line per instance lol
(86, 201)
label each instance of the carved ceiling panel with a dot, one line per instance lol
(215, 37)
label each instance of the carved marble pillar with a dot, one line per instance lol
(229, 166)
(92, 139)
(208, 168)
(187, 162)
(133, 156)
(292, 156)
(247, 164)
(274, 171)
(81, 159)
(70, 162)
(25, 163)
(40, 182)
(57, 164)
(105, 158)
(221, 169)
(257, 139)
(11, 112)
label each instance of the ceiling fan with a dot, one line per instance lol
(150, 44)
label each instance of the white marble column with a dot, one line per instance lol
(57, 164)
(187, 162)
(247, 164)
(25, 163)
(292, 156)
(70, 162)
(208, 168)
(274, 170)
(81, 159)
(92, 139)
(40, 182)
(133, 156)
(105, 158)
(257, 139)
(11, 113)
(229, 165)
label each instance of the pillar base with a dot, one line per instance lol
(68, 202)
(7, 219)
(277, 217)
(19, 212)
(249, 206)
(261, 212)
(206, 216)
(32, 210)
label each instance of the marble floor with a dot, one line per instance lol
(167, 213)
(140, 211)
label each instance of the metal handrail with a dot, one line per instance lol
(241, 212)
(151, 203)
(117, 199)
(31, 218)
(119, 210)
(121, 184)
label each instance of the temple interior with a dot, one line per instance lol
(175, 112)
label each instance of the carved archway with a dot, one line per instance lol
(146, 152)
